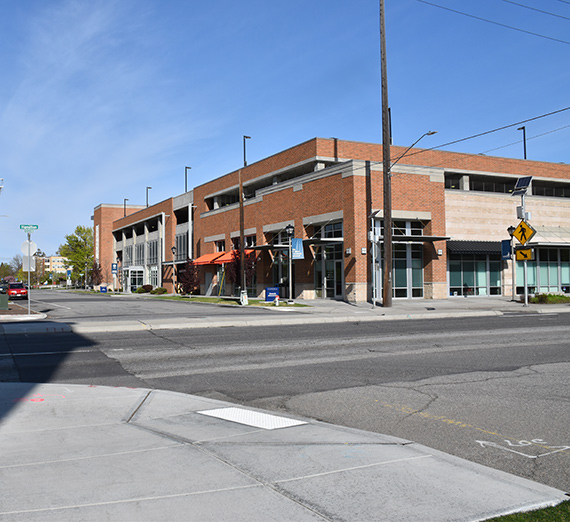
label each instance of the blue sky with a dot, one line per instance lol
(100, 99)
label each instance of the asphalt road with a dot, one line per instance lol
(493, 390)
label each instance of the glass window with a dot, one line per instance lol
(181, 243)
(474, 274)
(139, 254)
(152, 252)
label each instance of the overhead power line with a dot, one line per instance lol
(537, 10)
(495, 23)
(528, 139)
(516, 124)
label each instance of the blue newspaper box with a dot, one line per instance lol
(271, 293)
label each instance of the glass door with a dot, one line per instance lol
(329, 272)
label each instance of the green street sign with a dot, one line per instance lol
(28, 228)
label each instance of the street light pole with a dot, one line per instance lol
(242, 229)
(186, 169)
(244, 158)
(290, 229)
(173, 250)
(388, 166)
(523, 128)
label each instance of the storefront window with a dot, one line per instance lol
(474, 274)
(548, 273)
(407, 260)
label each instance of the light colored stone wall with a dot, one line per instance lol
(482, 216)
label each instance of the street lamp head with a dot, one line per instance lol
(173, 250)
(431, 133)
(247, 137)
(511, 230)
(289, 229)
(522, 128)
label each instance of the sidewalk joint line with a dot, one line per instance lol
(342, 470)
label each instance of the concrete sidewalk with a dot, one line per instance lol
(90, 453)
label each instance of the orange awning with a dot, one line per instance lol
(228, 257)
(208, 259)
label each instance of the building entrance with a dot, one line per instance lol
(329, 271)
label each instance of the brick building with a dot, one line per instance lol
(450, 212)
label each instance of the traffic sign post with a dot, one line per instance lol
(524, 232)
(27, 248)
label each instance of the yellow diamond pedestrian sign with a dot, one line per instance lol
(524, 232)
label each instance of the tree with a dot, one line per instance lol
(78, 250)
(16, 264)
(5, 270)
(96, 274)
(188, 277)
(233, 269)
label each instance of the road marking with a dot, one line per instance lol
(460, 424)
(46, 353)
(539, 442)
(442, 418)
(48, 303)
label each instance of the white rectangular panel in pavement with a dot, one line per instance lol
(252, 418)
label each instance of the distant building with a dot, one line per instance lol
(450, 213)
(55, 264)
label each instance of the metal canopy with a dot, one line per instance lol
(416, 239)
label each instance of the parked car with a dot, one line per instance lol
(17, 291)
(3, 287)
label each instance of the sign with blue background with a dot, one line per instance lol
(297, 248)
(506, 248)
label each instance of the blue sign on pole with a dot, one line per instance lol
(297, 249)
(114, 268)
(506, 249)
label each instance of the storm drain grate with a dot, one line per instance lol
(256, 419)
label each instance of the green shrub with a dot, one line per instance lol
(140, 290)
(158, 291)
(549, 299)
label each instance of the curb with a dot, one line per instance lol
(240, 323)
(34, 324)
(21, 318)
(34, 328)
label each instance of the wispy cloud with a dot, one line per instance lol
(88, 113)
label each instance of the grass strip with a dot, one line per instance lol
(559, 513)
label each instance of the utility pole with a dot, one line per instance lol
(387, 287)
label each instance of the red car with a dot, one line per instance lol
(17, 291)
